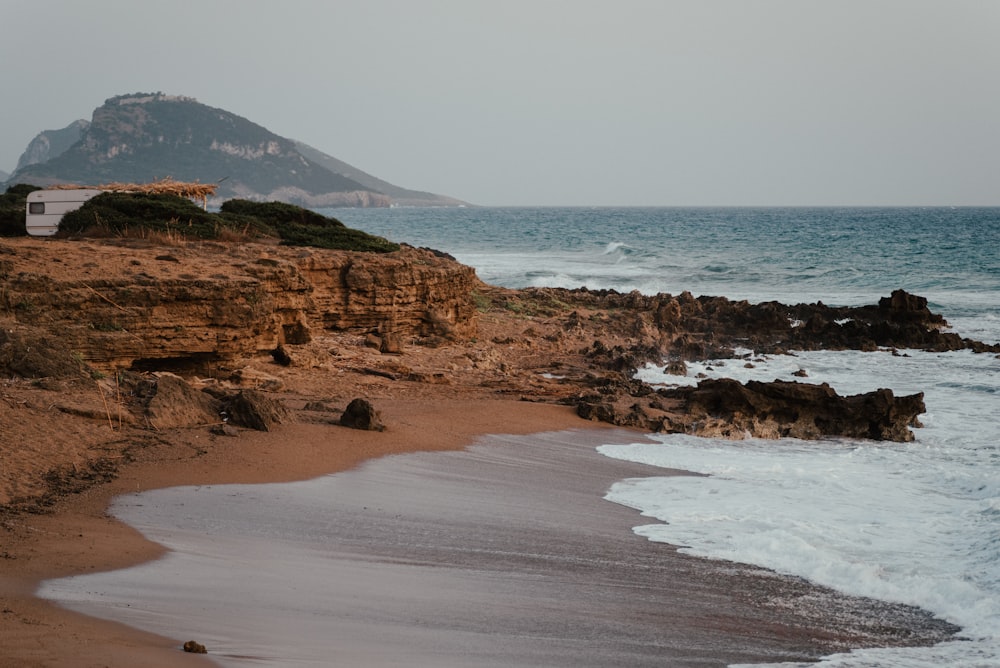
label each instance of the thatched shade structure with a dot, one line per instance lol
(167, 186)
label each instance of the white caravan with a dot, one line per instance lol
(46, 208)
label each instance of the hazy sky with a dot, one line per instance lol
(557, 102)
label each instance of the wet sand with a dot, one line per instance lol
(505, 554)
(76, 536)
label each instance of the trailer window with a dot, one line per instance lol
(36, 207)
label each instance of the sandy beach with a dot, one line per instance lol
(692, 611)
(78, 537)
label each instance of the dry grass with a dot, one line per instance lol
(166, 186)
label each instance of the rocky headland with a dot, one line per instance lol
(142, 137)
(106, 346)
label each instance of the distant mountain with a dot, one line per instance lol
(146, 137)
(51, 143)
(3, 176)
(400, 196)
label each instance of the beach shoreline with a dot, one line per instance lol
(77, 536)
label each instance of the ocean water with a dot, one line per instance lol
(917, 523)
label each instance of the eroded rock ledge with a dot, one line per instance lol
(200, 307)
(87, 327)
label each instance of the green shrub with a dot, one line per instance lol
(296, 226)
(13, 204)
(129, 215)
(171, 217)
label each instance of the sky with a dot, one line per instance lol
(557, 102)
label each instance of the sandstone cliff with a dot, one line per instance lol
(199, 307)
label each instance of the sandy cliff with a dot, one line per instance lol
(201, 307)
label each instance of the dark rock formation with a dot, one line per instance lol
(684, 327)
(194, 647)
(725, 408)
(360, 414)
(797, 410)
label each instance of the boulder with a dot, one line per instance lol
(254, 410)
(360, 414)
(172, 402)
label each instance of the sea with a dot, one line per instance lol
(915, 523)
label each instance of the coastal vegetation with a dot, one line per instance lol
(12, 206)
(170, 218)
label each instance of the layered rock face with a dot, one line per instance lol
(136, 305)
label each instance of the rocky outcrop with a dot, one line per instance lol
(632, 329)
(197, 308)
(50, 144)
(74, 309)
(725, 408)
(650, 328)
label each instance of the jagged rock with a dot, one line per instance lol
(360, 414)
(708, 327)
(901, 306)
(724, 407)
(621, 415)
(254, 410)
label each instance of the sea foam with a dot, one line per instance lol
(915, 523)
